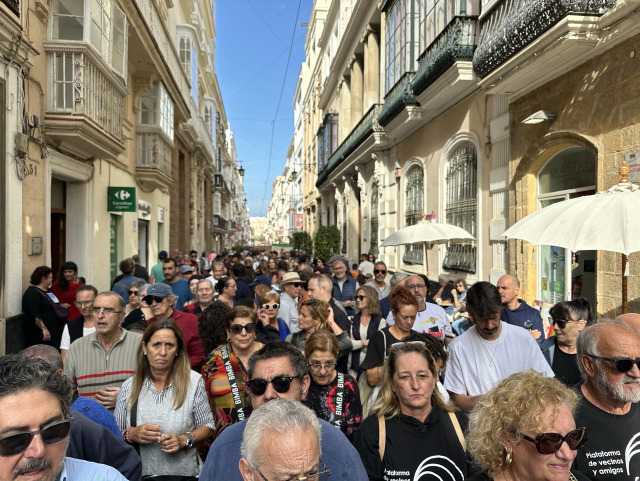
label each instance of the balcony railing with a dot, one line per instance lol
(85, 94)
(219, 222)
(153, 159)
(397, 99)
(513, 24)
(13, 5)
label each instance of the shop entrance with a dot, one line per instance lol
(562, 274)
(58, 224)
(143, 242)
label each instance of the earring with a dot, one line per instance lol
(394, 394)
(508, 458)
(145, 353)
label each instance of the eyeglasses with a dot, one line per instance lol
(312, 477)
(237, 328)
(52, 434)
(83, 303)
(132, 293)
(359, 298)
(328, 366)
(401, 344)
(416, 286)
(379, 271)
(295, 284)
(549, 443)
(149, 299)
(623, 364)
(107, 311)
(281, 384)
(271, 306)
(561, 323)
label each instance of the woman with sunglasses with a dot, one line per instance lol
(268, 315)
(162, 410)
(523, 429)
(137, 310)
(333, 396)
(412, 430)
(226, 289)
(225, 372)
(365, 324)
(569, 318)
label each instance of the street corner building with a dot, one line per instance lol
(114, 138)
(473, 113)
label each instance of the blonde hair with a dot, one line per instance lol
(373, 300)
(517, 404)
(270, 296)
(387, 405)
(318, 310)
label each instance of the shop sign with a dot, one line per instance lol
(160, 215)
(144, 210)
(122, 199)
(299, 221)
(558, 286)
(281, 230)
(238, 227)
(633, 162)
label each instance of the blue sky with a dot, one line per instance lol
(253, 39)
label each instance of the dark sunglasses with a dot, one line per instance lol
(275, 305)
(295, 284)
(549, 443)
(561, 323)
(132, 293)
(379, 271)
(149, 299)
(281, 384)
(359, 298)
(622, 364)
(53, 433)
(237, 328)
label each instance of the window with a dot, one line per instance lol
(184, 48)
(64, 81)
(156, 109)
(436, 15)
(216, 203)
(373, 235)
(148, 108)
(414, 206)
(327, 139)
(219, 159)
(101, 26)
(68, 18)
(119, 39)
(399, 48)
(166, 112)
(462, 207)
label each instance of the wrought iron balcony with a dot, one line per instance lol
(225, 189)
(153, 159)
(367, 125)
(220, 222)
(85, 109)
(397, 99)
(513, 24)
(13, 5)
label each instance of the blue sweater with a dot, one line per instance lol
(347, 292)
(338, 454)
(181, 289)
(523, 316)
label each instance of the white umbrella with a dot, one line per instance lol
(604, 221)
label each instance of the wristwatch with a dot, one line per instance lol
(190, 440)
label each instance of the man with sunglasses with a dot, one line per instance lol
(290, 286)
(279, 371)
(35, 402)
(162, 301)
(379, 283)
(609, 361)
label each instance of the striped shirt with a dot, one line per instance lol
(90, 368)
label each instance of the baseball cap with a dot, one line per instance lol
(159, 290)
(262, 279)
(163, 255)
(185, 268)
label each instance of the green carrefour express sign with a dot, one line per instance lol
(122, 199)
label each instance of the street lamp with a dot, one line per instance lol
(241, 171)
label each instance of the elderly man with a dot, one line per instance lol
(277, 433)
(489, 351)
(431, 318)
(344, 286)
(290, 286)
(217, 272)
(279, 371)
(378, 282)
(204, 296)
(162, 303)
(99, 363)
(186, 271)
(517, 312)
(609, 357)
(35, 402)
(260, 286)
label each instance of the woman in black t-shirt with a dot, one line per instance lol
(42, 325)
(411, 431)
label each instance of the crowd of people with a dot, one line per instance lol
(278, 366)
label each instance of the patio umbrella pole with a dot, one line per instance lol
(426, 257)
(624, 283)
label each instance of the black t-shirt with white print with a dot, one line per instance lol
(411, 447)
(613, 450)
(378, 348)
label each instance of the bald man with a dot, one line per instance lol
(607, 357)
(517, 312)
(632, 319)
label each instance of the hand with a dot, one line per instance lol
(146, 434)
(172, 443)
(107, 397)
(365, 343)
(46, 335)
(348, 303)
(263, 317)
(66, 306)
(535, 333)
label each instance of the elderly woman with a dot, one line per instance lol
(225, 372)
(226, 290)
(66, 286)
(365, 324)
(569, 318)
(268, 315)
(523, 429)
(313, 316)
(163, 409)
(333, 396)
(444, 292)
(411, 430)
(137, 310)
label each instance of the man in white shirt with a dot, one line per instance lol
(218, 272)
(431, 318)
(288, 312)
(365, 266)
(489, 351)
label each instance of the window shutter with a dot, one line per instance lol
(119, 41)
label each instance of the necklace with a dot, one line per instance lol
(486, 351)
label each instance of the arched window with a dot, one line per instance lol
(414, 206)
(462, 207)
(373, 236)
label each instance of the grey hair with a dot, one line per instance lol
(443, 277)
(46, 353)
(138, 284)
(217, 263)
(380, 263)
(173, 300)
(20, 373)
(397, 277)
(281, 416)
(121, 304)
(590, 336)
(338, 261)
(205, 280)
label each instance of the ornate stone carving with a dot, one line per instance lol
(378, 171)
(140, 86)
(369, 29)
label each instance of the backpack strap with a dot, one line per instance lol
(456, 426)
(382, 436)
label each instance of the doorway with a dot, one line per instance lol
(143, 242)
(58, 224)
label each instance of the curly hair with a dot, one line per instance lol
(211, 326)
(401, 296)
(517, 404)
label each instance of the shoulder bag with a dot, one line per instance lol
(368, 393)
(61, 313)
(235, 392)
